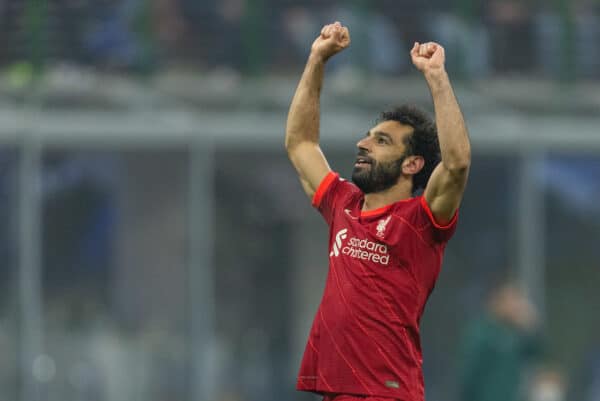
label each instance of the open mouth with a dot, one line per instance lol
(362, 161)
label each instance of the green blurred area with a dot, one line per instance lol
(258, 37)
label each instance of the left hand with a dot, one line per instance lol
(428, 57)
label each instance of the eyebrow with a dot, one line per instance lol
(383, 134)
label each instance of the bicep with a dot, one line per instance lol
(311, 165)
(444, 192)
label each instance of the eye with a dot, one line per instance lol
(381, 141)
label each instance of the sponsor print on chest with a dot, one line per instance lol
(353, 241)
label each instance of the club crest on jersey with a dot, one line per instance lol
(382, 225)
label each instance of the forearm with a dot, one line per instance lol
(452, 131)
(303, 117)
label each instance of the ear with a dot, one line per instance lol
(412, 165)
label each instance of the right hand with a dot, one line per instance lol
(333, 39)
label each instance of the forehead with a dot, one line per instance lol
(396, 130)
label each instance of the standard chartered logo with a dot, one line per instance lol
(362, 249)
(339, 237)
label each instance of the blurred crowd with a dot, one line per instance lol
(555, 39)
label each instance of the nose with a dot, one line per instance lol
(363, 144)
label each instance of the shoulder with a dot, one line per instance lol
(407, 208)
(333, 195)
(334, 186)
(416, 212)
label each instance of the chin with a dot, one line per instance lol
(359, 173)
(361, 181)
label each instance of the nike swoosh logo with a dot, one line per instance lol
(347, 211)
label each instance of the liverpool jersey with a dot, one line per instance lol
(383, 265)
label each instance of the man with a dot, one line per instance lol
(499, 346)
(386, 245)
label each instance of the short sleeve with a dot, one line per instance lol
(441, 233)
(329, 195)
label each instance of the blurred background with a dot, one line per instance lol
(156, 245)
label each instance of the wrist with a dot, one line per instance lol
(437, 79)
(316, 58)
(435, 74)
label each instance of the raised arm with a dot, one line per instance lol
(447, 183)
(302, 130)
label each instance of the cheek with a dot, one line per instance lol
(393, 152)
(388, 158)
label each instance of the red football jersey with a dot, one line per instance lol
(383, 265)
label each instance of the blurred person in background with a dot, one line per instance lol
(511, 22)
(112, 40)
(376, 38)
(463, 27)
(498, 346)
(134, 35)
(386, 243)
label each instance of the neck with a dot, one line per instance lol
(402, 190)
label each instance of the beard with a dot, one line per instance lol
(378, 177)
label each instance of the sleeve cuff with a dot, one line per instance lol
(450, 224)
(323, 186)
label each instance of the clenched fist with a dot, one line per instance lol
(428, 57)
(333, 39)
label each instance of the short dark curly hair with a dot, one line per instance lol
(422, 142)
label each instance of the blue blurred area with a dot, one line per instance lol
(264, 36)
(575, 181)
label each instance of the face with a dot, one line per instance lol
(381, 157)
